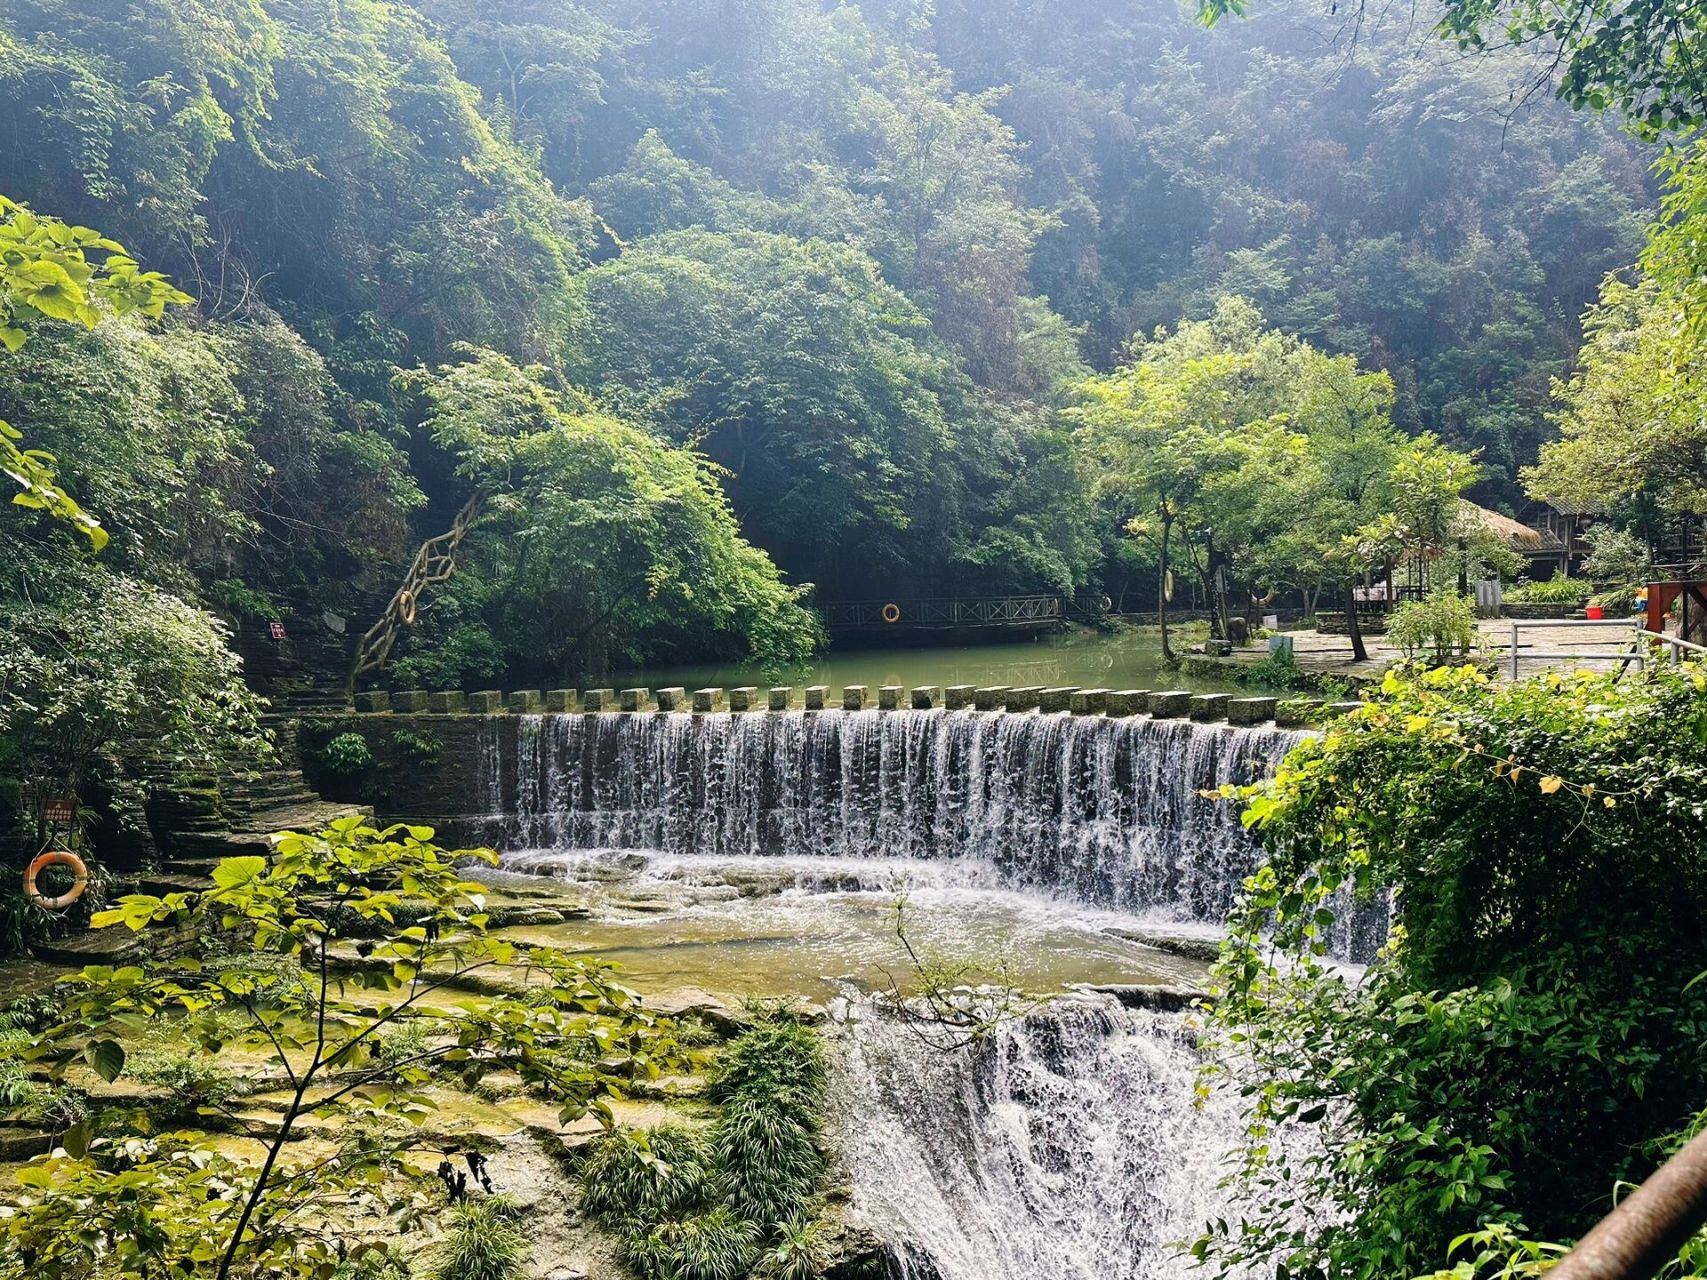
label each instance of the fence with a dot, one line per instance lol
(1000, 611)
(1638, 647)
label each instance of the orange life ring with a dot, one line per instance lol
(55, 858)
(892, 612)
(406, 607)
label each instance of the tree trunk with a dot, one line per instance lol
(1162, 587)
(1353, 628)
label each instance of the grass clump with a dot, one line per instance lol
(740, 1202)
(485, 1241)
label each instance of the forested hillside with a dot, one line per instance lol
(817, 275)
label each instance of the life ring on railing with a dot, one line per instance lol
(55, 858)
(1107, 605)
(892, 612)
(406, 607)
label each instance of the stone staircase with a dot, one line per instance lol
(236, 814)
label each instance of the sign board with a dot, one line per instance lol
(276, 630)
(58, 811)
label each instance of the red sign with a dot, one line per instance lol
(58, 811)
(276, 630)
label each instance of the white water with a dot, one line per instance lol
(1064, 1147)
(1106, 811)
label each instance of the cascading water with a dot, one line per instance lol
(1065, 1146)
(1104, 810)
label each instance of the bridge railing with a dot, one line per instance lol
(995, 611)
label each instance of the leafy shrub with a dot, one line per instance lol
(419, 748)
(1531, 1035)
(716, 1245)
(768, 1156)
(800, 1250)
(17, 1089)
(484, 1242)
(1557, 590)
(346, 755)
(195, 1078)
(1445, 624)
(466, 655)
(779, 1061)
(1280, 670)
(372, 1264)
(638, 1179)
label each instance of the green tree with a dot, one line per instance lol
(598, 538)
(51, 271)
(299, 993)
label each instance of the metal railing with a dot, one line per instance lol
(1641, 647)
(996, 611)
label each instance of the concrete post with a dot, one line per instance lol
(1056, 699)
(560, 699)
(853, 697)
(1296, 712)
(1210, 706)
(635, 699)
(743, 698)
(1341, 708)
(446, 702)
(1088, 702)
(925, 697)
(526, 701)
(1251, 710)
(485, 701)
(1025, 697)
(706, 700)
(1126, 702)
(991, 697)
(409, 700)
(675, 698)
(815, 696)
(1170, 703)
(377, 700)
(888, 697)
(956, 696)
(780, 696)
(599, 700)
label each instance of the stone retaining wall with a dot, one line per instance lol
(427, 764)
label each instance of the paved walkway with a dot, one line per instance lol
(1590, 647)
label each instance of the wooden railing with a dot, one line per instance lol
(999, 611)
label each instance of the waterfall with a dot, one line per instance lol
(1065, 1146)
(1105, 810)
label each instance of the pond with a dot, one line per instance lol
(1129, 658)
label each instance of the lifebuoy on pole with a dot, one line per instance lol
(406, 607)
(55, 858)
(892, 612)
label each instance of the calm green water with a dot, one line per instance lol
(1130, 659)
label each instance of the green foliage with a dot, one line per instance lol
(417, 747)
(195, 1079)
(574, 1036)
(716, 1245)
(484, 1241)
(1280, 670)
(1444, 625)
(631, 1179)
(1529, 1038)
(1558, 589)
(47, 273)
(102, 664)
(739, 1203)
(347, 755)
(605, 539)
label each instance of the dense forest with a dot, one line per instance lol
(799, 277)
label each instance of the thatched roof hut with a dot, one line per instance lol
(1522, 538)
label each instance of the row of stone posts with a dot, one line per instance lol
(1162, 703)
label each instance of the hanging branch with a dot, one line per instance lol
(435, 561)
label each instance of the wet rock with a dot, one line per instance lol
(1153, 996)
